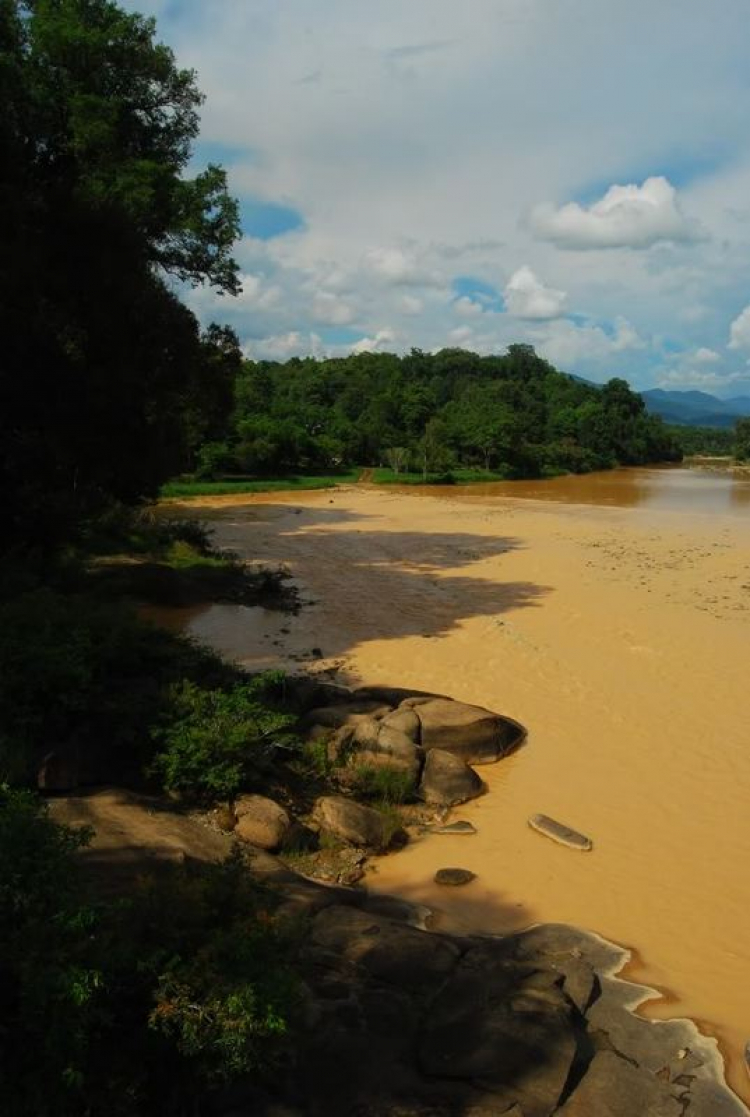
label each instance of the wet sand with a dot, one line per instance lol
(619, 635)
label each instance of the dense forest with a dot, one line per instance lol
(513, 414)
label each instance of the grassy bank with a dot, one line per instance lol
(184, 490)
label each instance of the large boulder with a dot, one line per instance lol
(406, 722)
(476, 735)
(261, 822)
(614, 1087)
(355, 823)
(345, 713)
(448, 780)
(505, 1025)
(378, 745)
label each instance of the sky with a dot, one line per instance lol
(574, 174)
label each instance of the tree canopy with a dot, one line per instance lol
(513, 413)
(100, 224)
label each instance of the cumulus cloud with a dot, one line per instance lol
(330, 310)
(739, 331)
(401, 267)
(378, 341)
(462, 335)
(467, 308)
(410, 304)
(280, 347)
(699, 378)
(527, 297)
(626, 217)
(566, 343)
(705, 356)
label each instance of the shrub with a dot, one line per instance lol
(385, 784)
(87, 676)
(135, 1007)
(215, 742)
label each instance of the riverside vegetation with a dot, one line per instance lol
(164, 997)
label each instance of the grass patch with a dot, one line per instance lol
(185, 489)
(386, 785)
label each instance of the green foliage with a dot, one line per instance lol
(703, 440)
(215, 742)
(435, 415)
(108, 384)
(186, 489)
(742, 440)
(88, 679)
(136, 1007)
(387, 785)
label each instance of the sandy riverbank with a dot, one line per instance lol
(619, 637)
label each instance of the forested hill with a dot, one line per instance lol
(514, 414)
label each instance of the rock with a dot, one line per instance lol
(355, 823)
(261, 822)
(613, 1087)
(454, 877)
(505, 1025)
(447, 780)
(383, 746)
(406, 722)
(453, 828)
(476, 735)
(392, 696)
(559, 832)
(345, 713)
(404, 957)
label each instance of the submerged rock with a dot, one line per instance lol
(454, 877)
(461, 827)
(559, 832)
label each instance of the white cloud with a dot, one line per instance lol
(626, 217)
(330, 310)
(461, 335)
(739, 331)
(410, 304)
(705, 356)
(467, 308)
(401, 267)
(379, 341)
(565, 343)
(702, 379)
(280, 347)
(527, 297)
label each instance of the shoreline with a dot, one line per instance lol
(436, 566)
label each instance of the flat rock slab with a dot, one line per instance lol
(454, 877)
(453, 828)
(559, 832)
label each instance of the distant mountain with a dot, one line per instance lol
(696, 409)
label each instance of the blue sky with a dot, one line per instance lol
(570, 173)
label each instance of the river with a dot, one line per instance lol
(610, 615)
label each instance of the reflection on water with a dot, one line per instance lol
(664, 489)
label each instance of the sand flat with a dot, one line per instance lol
(620, 636)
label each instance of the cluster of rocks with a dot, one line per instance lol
(405, 1022)
(424, 743)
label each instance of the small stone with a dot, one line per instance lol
(453, 828)
(454, 877)
(225, 818)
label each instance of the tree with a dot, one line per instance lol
(100, 357)
(742, 439)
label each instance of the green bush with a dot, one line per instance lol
(215, 742)
(388, 785)
(90, 679)
(137, 1007)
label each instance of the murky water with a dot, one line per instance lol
(610, 614)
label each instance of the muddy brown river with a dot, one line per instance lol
(610, 614)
